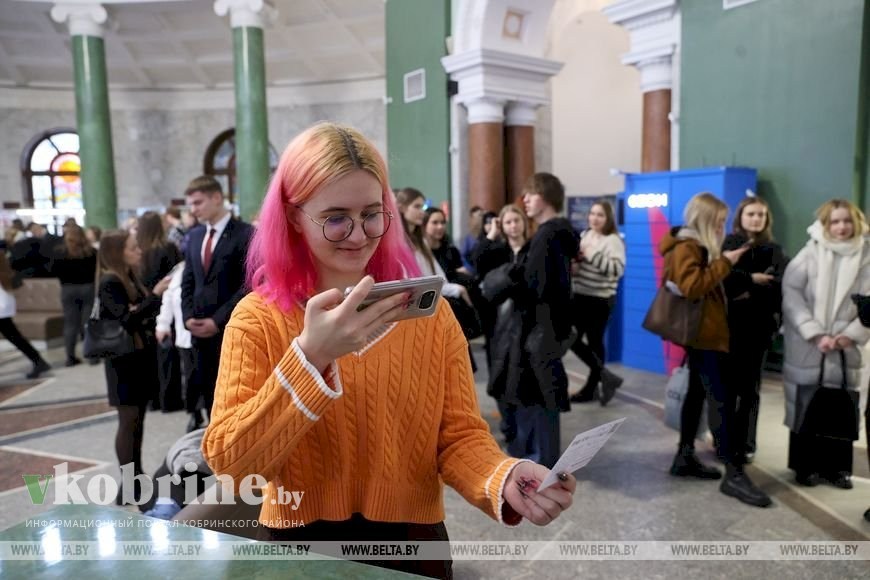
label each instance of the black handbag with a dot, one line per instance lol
(827, 412)
(105, 338)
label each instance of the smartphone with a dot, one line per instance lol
(423, 301)
(770, 271)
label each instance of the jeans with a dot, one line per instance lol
(590, 315)
(707, 377)
(537, 435)
(77, 301)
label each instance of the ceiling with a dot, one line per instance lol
(185, 45)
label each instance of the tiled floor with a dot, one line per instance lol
(624, 494)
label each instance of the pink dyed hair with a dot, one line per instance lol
(280, 266)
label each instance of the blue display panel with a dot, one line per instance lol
(650, 205)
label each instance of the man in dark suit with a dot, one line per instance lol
(212, 285)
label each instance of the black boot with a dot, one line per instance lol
(738, 485)
(609, 383)
(39, 367)
(584, 395)
(687, 464)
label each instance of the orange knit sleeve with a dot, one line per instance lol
(469, 459)
(261, 409)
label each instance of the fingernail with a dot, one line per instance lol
(521, 487)
(563, 476)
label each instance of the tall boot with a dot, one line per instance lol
(687, 464)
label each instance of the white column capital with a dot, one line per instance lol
(521, 114)
(498, 75)
(654, 33)
(82, 19)
(484, 110)
(252, 13)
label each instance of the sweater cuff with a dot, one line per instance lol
(505, 514)
(310, 392)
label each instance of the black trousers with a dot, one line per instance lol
(77, 301)
(589, 316)
(746, 364)
(708, 378)
(13, 335)
(206, 359)
(359, 529)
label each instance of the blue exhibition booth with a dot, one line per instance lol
(650, 205)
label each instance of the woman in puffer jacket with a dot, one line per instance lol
(821, 321)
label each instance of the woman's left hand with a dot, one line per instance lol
(539, 507)
(844, 342)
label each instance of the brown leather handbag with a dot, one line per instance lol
(674, 318)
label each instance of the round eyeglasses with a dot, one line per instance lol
(338, 228)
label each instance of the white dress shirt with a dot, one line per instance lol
(218, 228)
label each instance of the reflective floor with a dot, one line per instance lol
(625, 493)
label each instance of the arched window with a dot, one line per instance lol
(51, 171)
(220, 161)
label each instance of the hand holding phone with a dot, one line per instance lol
(335, 325)
(423, 294)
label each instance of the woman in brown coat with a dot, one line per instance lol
(695, 267)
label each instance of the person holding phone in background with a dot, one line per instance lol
(754, 291)
(367, 416)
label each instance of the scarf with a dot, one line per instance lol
(840, 278)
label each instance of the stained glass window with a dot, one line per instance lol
(220, 161)
(52, 171)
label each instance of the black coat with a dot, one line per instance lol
(215, 293)
(501, 286)
(158, 262)
(754, 311)
(131, 379)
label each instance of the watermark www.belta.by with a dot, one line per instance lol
(102, 489)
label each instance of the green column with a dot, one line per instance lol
(95, 131)
(252, 136)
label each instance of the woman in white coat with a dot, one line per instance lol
(819, 319)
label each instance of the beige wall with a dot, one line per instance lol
(596, 112)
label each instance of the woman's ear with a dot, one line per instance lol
(293, 218)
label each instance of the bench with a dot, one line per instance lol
(39, 314)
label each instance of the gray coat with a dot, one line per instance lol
(802, 357)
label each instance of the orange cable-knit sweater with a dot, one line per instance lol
(378, 435)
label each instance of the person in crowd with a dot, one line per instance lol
(93, 234)
(184, 453)
(599, 266)
(159, 256)
(14, 233)
(469, 242)
(546, 328)
(7, 324)
(487, 223)
(174, 227)
(820, 322)
(696, 266)
(410, 202)
(131, 379)
(74, 263)
(171, 331)
(754, 292)
(367, 416)
(862, 301)
(213, 283)
(447, 255)
(31, 256)
(130, 224)
(500, 253)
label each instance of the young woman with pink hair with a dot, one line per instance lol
(368, 417)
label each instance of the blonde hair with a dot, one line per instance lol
(859, 223)
(523, 218)
(701, 214)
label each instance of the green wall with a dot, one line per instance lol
(775, 85)
(418, 133)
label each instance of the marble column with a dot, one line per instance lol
(93, 119)
(252, 128)
(519, 147)
(486, 178)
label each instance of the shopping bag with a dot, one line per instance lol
(675, 394)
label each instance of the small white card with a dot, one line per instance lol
(581, 451)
